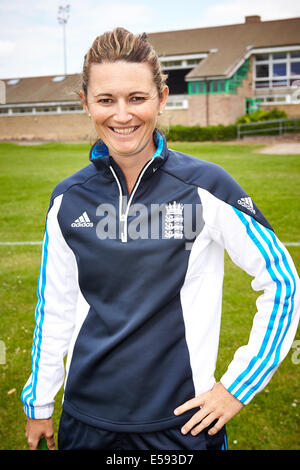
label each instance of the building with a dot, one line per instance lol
(215, 75)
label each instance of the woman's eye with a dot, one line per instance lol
(105, 101)
(137, 99)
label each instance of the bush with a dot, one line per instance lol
(262, 115)
(200, 134)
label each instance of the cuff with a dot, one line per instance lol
(227, 381)
(39, 412)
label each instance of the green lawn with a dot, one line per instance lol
(27, 177)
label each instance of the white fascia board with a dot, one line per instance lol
(268, 50)
(167, 58)
(38, 104)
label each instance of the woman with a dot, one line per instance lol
(131, 279)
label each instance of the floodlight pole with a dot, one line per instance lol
(63, 16)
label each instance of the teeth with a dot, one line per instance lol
(124, 131)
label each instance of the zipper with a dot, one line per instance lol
(123, 216)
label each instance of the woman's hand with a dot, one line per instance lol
(217, 404)
(38, 428)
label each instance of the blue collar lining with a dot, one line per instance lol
(100, 149)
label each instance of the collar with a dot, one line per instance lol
(99, 153)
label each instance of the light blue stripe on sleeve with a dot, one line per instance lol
(286, 311)
(266, 234)
(29, 393)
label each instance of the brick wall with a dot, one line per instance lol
(292, 110)
(174, 117)
(47, 127)
(197, 110)
(66, 126)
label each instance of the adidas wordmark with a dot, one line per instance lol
(82, 221)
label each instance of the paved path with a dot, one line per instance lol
(282, 149)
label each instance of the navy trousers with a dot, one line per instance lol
(76, 435)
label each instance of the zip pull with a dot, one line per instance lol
(124, 215)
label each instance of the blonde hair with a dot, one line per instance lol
(121, 44)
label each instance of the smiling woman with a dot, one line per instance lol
(124, 104)
(130, 285)
(124, 91)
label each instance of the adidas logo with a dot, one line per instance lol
(82, 221)
(247, 203)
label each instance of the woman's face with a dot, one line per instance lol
(123, 101)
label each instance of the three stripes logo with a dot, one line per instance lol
(82, 221)
(247, 203)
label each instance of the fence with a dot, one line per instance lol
(280, 126)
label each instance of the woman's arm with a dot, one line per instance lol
(55, 315)
(255, 248)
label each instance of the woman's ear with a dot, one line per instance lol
(84, 103)
(163, 99)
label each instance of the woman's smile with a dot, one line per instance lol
(124, 131)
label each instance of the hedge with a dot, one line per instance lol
(200, 134)
(221, 132)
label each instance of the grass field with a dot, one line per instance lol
(28, 175)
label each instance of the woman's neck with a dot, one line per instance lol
(131, 165)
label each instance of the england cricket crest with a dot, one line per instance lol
(173, 220)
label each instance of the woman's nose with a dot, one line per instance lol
(123, 114)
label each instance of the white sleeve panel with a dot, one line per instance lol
(257, 250)
(55, 312)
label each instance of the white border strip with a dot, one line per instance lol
(21, 243)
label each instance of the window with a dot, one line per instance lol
(262, 84)
(21, 110)
(279, 83)
(279, 70)
(222, 85)
(202, 87)
(278, 99)
(41, 108)
(194, 87)
(262, 71)
(276, 70)
(171, 63)
(71, 108)
(193, 61)
(260, 57)
(46, 109)
(279, 55)
(214, 86)
(177, 104)
(295, 68)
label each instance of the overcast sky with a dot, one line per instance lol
(31, 39)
